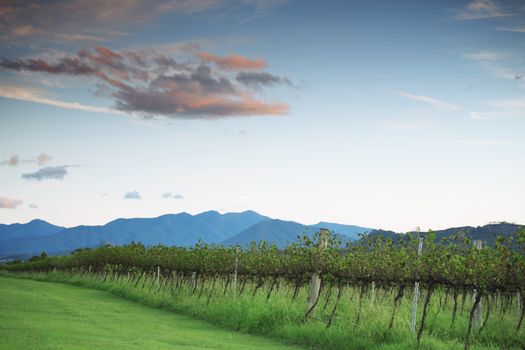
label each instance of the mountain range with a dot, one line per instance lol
(183, 229)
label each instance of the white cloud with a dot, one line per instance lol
(31, 95)
(514, 29)
(511, 108)
(495, 115)
(484, 56)
(511, 103)
(435, 103)
(497, 64)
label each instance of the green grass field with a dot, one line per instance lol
(278, 318)
(44, 315)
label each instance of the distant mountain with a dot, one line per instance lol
(350, 231)
(272, 231)
(173, 229)
(34, 228)
(487, 233)
(283, 232)
(183, 229)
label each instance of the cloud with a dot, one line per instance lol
(262, 7)
(513, 29)
(132, 195)
(55, 172)
(147, 83)
(30, 95)
(512, 108)
(481, 9)
(495, 115)
(33, 206)
(504, 66)
(482, 56)
(437, 104)
(12, 161)
(171, 195)
(85, 20)
(232, 62)
(511, 103)
(15, 160)
(260, 79)
(43, 159)
(9, 203)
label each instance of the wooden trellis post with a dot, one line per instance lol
(235, 272)
(416, 290)
(518, 303)
(315, 281)
(478, 314)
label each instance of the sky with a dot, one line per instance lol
(383, 114)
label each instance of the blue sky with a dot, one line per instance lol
(377, 113)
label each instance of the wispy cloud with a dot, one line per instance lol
(497, 64)
(33, 206)
(31, 95)
(132, 195)
(9, 203)
(82, 20)
(95, 21)
(15, 160)
(511, 108)
(149, 84)
(512, 29)
(510, 103)
(481, 9)
(262, 7)
(168, 195)
(12, 161)
(495, 115)
(435, 103)
(55, 172)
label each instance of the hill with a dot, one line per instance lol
(34, 228)
(172, 229)
(487, 233)
(283, 232)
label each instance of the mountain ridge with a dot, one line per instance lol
(184, 229)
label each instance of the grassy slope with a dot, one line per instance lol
(281, 319)
(36, 315)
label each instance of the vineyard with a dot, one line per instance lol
(320, 294)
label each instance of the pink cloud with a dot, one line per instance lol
(233, 62)
(149, 83)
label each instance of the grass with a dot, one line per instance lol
(36, 315)
(282, 319)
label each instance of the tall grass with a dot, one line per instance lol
(361, 321)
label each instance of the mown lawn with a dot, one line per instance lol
(44, 315)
